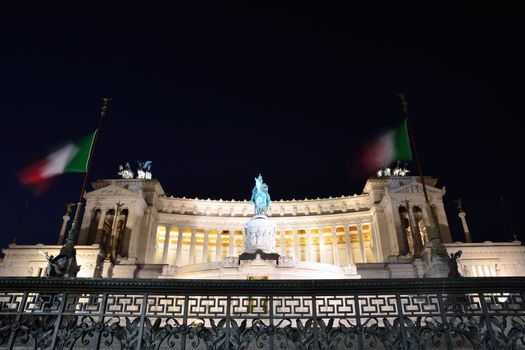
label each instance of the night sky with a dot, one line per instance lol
(215, 96)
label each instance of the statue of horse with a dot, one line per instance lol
(125, 172)
(144, 170)
(260, 196)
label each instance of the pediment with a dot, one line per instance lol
(112, 191)
(416, 187)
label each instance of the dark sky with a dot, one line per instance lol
(213, 96)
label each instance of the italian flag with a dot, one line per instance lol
(71, 158)
(385, 149)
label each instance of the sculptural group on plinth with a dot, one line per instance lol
(143, 170)
(259, 231)
(260, 196)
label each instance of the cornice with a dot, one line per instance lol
(273, 287)
(294, 208)
(313, 221)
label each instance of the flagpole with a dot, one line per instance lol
(411, 136)
(68, 249)
(438, 249)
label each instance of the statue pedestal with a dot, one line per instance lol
(438, 268)
(259, 240)
(259, 234)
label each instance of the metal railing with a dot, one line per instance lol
(465, 313)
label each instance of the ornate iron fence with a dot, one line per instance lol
(467, 313)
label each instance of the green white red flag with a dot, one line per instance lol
(385, 149)
(70, 158)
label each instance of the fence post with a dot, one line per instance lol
(101, 316)
(141, 319)
(444, 319)
(400, 314)
(228, 305)
(59, 318)
(358, 325)
(272, 335)
(12, 336)
(491, 344)
(314, 323)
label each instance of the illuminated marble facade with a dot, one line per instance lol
(370, 235)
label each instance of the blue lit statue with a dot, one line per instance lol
(260, 196)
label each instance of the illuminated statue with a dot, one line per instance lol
(144, 170)
(125, 171)
(260, 196)
(397, 169)
(404, 170)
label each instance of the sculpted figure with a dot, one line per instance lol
(260, 196)
(144, 170)
(125, 172)
(453, 264)
(56, 266)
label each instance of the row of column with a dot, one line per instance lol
(231, 247)
(178, 254)
(335, 250)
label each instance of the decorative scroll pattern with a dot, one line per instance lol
(104, 320)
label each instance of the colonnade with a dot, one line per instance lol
(337, 245)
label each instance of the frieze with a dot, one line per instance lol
(111, 191)
(207, 223)
(278, 208)
(415, 187)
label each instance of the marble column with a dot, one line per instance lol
(361, 243)
(283, 242)
(65, 219)
(130, 235)
(442, 222)
(308, 245)
(401, 242)
(205, 247)
(296, 256)
(218, 246)
(335, 249)
(231, 247)
(166, 248)
(416, 235)
(178, 257)
(192, 246)
(100, 227)
(424, 211)
(322, 258)
(466, 231)
(349, 259)
(378, 253)
(151, 243)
